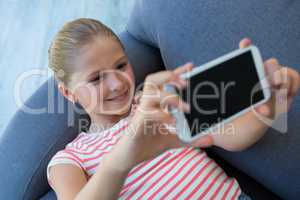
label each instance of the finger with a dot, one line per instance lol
(160, 78)
(271, 67)
(184, 68)
(281, 91)
(281, 79)
(173, 100)
(295, 81)
(154, 82)
(263, 110)
(286, 81)
(278, 78)
(245, 43)
(162, 117)
(168, 76)
(288, 78)
(179, 82)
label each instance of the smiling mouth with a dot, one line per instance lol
(120, 97)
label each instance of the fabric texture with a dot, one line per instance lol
(49, 196)
(182, 173)
(200, 31)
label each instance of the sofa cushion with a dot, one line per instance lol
(49, 196)
(30, 140)
(199, 31)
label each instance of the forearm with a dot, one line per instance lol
(241, 133)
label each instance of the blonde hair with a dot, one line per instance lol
(68, 41)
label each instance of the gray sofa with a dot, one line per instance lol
(166, 34)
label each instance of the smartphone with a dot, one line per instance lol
(220, 91)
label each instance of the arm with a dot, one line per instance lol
(107, 182)
(109, 178)
(246, 130)
(240, 134)
(70, 182)
(67, 180)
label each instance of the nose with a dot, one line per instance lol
(114, 82)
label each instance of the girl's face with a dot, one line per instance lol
(104, 80)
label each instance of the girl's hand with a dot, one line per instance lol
(152, 137)
(284, 82)
(249, 128)
(146, 135)
(154, 100)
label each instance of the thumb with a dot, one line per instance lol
(263, 110)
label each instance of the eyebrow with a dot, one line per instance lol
(96, 72)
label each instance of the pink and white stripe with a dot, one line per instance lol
(183, 173)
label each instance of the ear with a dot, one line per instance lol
(66, 92)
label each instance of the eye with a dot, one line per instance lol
(122, 65)
(96, 79)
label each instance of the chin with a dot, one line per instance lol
(122, 111)
(115, 111)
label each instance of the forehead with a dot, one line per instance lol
(98, 54)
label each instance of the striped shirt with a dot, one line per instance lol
(181, 173)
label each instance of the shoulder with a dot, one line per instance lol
(67, 180)
(71, 154)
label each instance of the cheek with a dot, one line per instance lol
(90, 97)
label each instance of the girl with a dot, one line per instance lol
(132, 154)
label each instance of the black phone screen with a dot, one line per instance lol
(221, 91)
